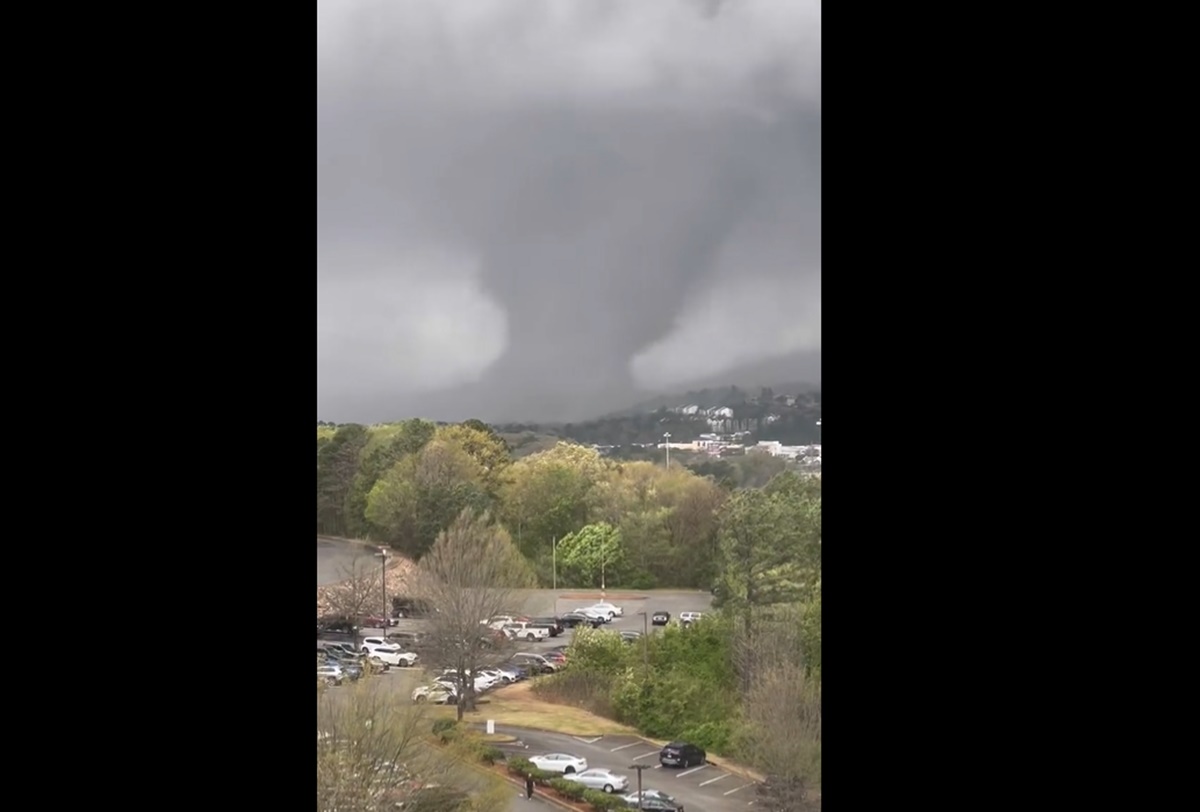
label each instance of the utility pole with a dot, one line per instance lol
(667, 443)
(639, 768)
(645, 646)
(383, 553)
(554, 559)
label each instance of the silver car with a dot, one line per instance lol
(600, 778)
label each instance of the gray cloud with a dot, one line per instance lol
(542, 209)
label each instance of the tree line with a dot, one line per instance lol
(633, 524)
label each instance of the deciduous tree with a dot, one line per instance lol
(590, 551)
(471, 573)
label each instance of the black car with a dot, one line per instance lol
(660, 618)
(534, 663)
(573, 619)
(681, 754)
(657, 803)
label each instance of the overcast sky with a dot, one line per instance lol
(546, 209)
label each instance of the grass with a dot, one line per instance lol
(516, 705)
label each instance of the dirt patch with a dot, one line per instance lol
(611, 596)
(516, 705)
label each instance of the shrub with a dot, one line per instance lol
(571, 789)
(581, 687)
(440, 725)
(715, 737)
(520, 766)
(599, 650)
(602, 801)
(542, 777)
(490, 755)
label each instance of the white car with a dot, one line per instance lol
(451, 681)
(437, 693)
(498, 621)
(564, 763)
(380, 643)
(484, 681)
(331, 674)
(610, 609)
(406, 659)
(690, 617)
(498, 675)
(595, 614)
(602, 779)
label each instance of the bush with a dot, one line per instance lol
(584, 688)
(715, 737)
(599, 650)
(571, 789)
(443, 724)
(542, 777)
(520, 766)
(490, 755)
(602, 801)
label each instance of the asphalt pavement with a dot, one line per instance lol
(704, 788)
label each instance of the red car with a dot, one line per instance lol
(377, 621)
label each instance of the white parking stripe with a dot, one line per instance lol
(713, 780)
(658, 766)
(623, 746)
(644, 755)
(743, 786)
(693, 770)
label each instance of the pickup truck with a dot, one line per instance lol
(526, 631)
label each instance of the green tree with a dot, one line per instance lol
(484, 446)
(591, 552)
(337, 462)
(422, 494)
(390, 445)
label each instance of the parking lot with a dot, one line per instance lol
(705, 787)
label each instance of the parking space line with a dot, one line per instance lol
(714, 780)
(623, 746)
(693, 770)
(658, 766)
(743, 786)
(644, 755)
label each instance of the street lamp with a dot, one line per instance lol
(383, 554)
(645, 643)
(639, 768)
(667, 443)
(554, 559)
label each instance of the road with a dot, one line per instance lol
(706, 788)
(332, 559)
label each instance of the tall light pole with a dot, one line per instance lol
(554, 559)
(603, 564)
(667, 443)
(383, 554)
(639, 768)
(645, 646)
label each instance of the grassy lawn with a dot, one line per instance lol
(516, 705)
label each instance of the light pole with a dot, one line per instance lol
(667, 443)
(639, 768)
(645, 644)
(554, 559)
(603, 564)
(383, 554)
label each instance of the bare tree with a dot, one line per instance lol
(471, 573)
(359, 592)
(372, 751)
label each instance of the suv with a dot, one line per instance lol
(526, 631)
(660, 618)
(681, 754)
(550, 623)
(689, 617)
(535, 662)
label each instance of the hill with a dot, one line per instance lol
(785, 412)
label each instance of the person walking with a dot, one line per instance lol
(528, 787)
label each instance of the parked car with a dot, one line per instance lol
(660, 802)
(335, 625)
(610, 609)
(564, 763)
(331, 674)
(601, 779)
(525, 631)
(536, 662)
(378, 621)
(647, 796)
(552, 623)
(660, 618)
(408, 641)
(557, 658)
(595, 614)
(513, 672)
(412, 607)
(438, 694)
(574, 619)
(500, 621)
(689, 617)
(681, 754)
(388, 652)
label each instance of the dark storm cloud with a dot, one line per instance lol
(533, 209)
